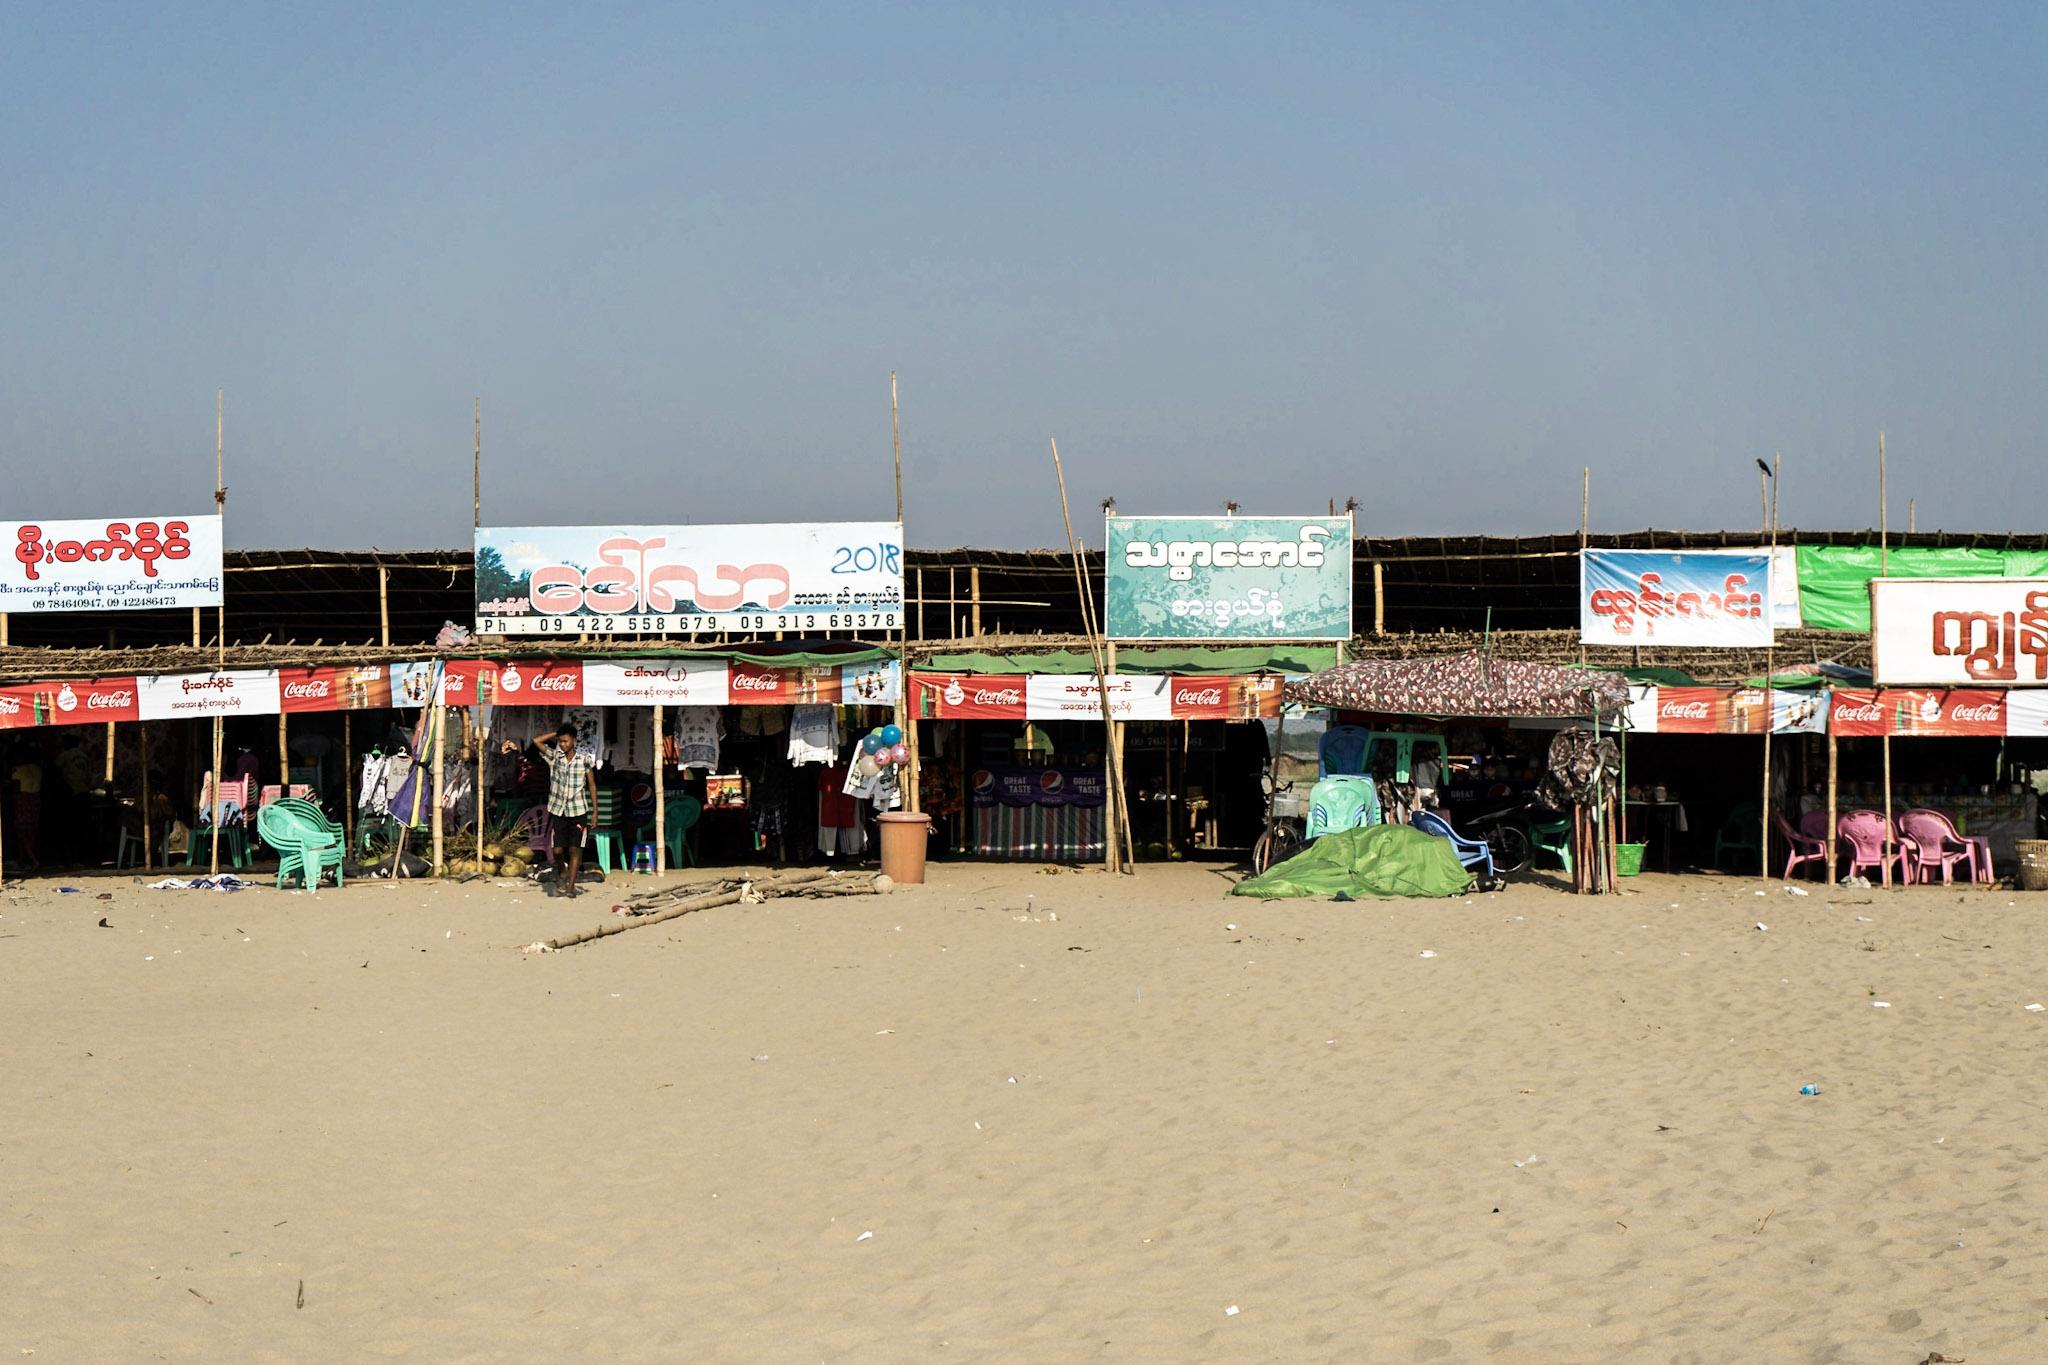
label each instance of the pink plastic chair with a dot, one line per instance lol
(1801, 848)
(1941, 846)
(1866, 834)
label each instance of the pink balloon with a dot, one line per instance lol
(901, 753)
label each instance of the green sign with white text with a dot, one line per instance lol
(1227, 578)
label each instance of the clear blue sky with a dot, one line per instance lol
(1433, 257)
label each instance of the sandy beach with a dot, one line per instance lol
(1014, 1115)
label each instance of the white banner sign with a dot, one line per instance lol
(1959, 632)
(181, 696)
(626, 580)
(1700, 598)
(123, 564)
(1060, 696)
(648, 682)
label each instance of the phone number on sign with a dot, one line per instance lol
(688, 624)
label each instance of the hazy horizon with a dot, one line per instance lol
(1436, 259)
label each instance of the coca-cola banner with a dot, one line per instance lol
(526, 682)
(847, 684)
(1919, 711)
(110, 564)
(76, 702)
(625, 580)
(967, 696)
(334, 689)
(183, 696)
(1705, 598)
(1253, 697)
(1959, 632)
(413, 684)
(647, 682)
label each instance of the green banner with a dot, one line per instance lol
(1227, 578)
(1834, 580)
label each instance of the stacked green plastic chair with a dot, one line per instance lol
(307, 842)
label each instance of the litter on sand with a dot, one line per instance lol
(1231, 1311)
(1797, 891)
(2034, 1009)
(1426, 953)
(1761, 926)
(226, 881)
(1809, 1090)
(864, 1237)
(1529, 1160)
(1880, 1004)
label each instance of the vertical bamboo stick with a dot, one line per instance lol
(1832, 771)
(1379, 598)
(1770, 675)
(383, 605)
(284, 758)
(148, 833)
(220, 504)
(1095, 650)
(440, 740)
(348, 778)
(3, 630)
(1585, 525)
(904, 720)
(109, 775)
(974, 591)
(1884, 571)
(660, 799)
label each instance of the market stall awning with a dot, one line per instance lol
(1469, 684)
(1209, 661)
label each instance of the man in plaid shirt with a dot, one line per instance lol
(572, 797)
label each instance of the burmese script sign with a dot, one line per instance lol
(1706, 598)
(110, 564)
(1959, 632)
(625, 580)
(1227, 578)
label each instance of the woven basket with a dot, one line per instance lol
(2033, 873)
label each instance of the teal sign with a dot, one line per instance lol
(1228, 578)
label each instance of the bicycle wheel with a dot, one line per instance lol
(1280, 842)
(1510, 845)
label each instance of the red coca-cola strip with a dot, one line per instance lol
(1918, 711)
(528, 682)
(967, 696)
(74, 702)
(1233, 698)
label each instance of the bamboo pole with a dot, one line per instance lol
(974, 592)
(904, 720)
(1770, 676)
(220, 504)
(1585, 526)
(148, 835)
(383, 605)
(440, 740)
(108, 777)
(1884, 571)
(1379, 598)
(1095, 652)
(284, 759)
(1832, 771)
(196, 628)
(348, 777)
(660, 799)
(3, 630)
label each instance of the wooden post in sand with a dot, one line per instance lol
(1831, 799)
(439, 739)
(1885, 844)
(348, 764)
(660, 801)
(1770, 681)
(148, 837)
(220, 505)
(1117, 811)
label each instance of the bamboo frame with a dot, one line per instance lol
(440, 741)
(660, 800)
(1770, 684)
(220, 503)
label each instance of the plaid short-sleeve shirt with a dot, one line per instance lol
(568, 782)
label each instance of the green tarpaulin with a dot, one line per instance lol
(1227, 661)
(761, 655)
(1382, 860)
(1834, 580)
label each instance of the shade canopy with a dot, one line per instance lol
(1469, 684)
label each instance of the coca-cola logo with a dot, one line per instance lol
(10, 706)
(109, 701)
(954, 694)
(308, 690)
(754, 682)
(1985, 711)
(555, 682)
(1860, 712)
(998, 696)
(1686, 710)
(1204, 696)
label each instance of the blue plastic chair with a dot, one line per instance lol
(1341, 751)
(1473, 853)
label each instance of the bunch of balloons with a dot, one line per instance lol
(880, 748)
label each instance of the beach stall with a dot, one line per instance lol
(1471, 687)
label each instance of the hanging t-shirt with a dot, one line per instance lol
(698, 731)
(588, 722)
(634, 752)
(814, 734)
(762, 721)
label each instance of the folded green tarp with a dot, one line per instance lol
(1381, 860)
(1211, 660)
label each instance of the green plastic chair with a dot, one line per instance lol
(1553, 837)
(1739, 834)
(608, 831)
(680, 825)
(234, 844)
(307, 842)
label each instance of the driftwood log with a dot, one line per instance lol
(657, 907)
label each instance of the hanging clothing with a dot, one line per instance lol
(634, 752)
(698, 731)
(371, 798)
(813, 734)
(759, 722)
(589, 725)
(839, 827)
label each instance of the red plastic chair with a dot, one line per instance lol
(1867, 837)
(1801, 848)
(1940, 846)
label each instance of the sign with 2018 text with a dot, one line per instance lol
(1959, 632)
(110, 564)
(680, 580)
(1227, 578)
(1710, 598)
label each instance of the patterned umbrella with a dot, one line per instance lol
(1463, 685)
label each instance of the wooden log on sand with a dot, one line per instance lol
(642, 910)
